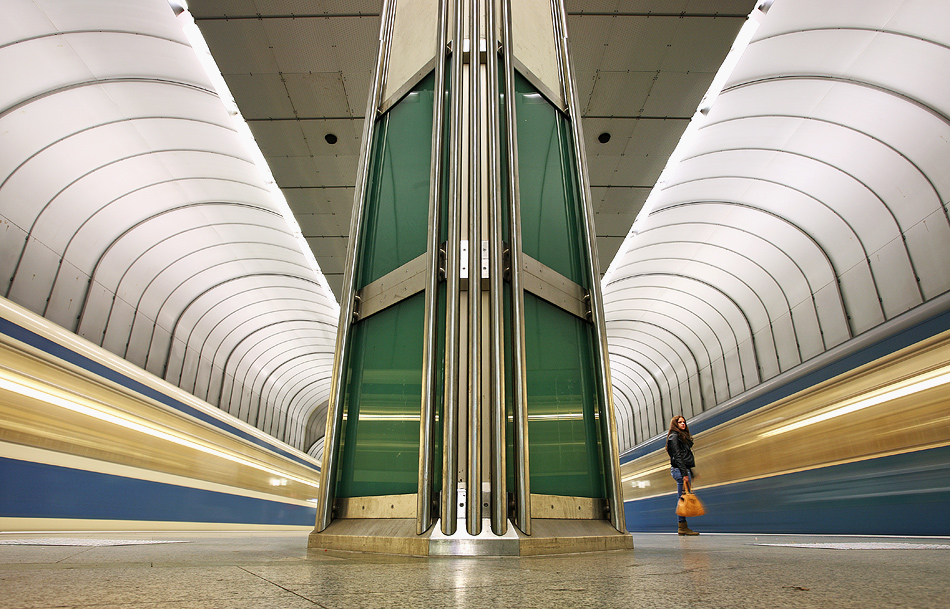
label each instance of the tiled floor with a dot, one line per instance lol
(255, 570)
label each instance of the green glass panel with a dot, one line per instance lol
(506, 292)
(550, 227)
(563, 426)
(509, 394)
(397, 198)
(503, 157)
(439, 387)
(379, 449)
(380, 435)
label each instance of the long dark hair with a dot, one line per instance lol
(682, 433)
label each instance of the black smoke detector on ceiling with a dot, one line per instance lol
(603, 138)
(330, 138)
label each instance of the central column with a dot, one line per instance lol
(470, 388)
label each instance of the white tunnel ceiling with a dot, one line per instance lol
(134, 215)
(809, 208)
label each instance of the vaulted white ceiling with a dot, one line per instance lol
(809, 204)
(808, 208)
(134, 214)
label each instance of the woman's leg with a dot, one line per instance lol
(678, 476)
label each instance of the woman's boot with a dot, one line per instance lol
(685, 530)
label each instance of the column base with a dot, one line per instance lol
(398, 536)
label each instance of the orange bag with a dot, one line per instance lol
(689, 504)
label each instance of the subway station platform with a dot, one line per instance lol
(263, 570)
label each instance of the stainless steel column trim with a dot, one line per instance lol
(474, 478)
(449, 510)
(335, 410)
(499, 470)
(430, 338)
(519, 387)
(605, 386)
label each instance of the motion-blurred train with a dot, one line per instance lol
(865, 451)
(89, 442)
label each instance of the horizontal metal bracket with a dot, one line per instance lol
(546, 283)
(410, 279)
(395, 286)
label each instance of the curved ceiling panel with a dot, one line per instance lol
(808, 208)
(811, 200)
(135, 215)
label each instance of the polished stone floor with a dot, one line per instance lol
(263, 570)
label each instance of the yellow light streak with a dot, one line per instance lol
(78, 404)
(388, 417)
(566, 416)
(646, 473)
(896, 391)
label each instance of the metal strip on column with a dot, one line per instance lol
(499, 469)
(608, 425)
(474, 478)
(452, 292)
(519, 373)
(429, 355)
(331, 443)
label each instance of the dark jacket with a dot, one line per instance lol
(680, 451)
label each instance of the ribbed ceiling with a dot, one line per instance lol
(134, 215)
(809, 207)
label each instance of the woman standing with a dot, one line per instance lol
(679, 445)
